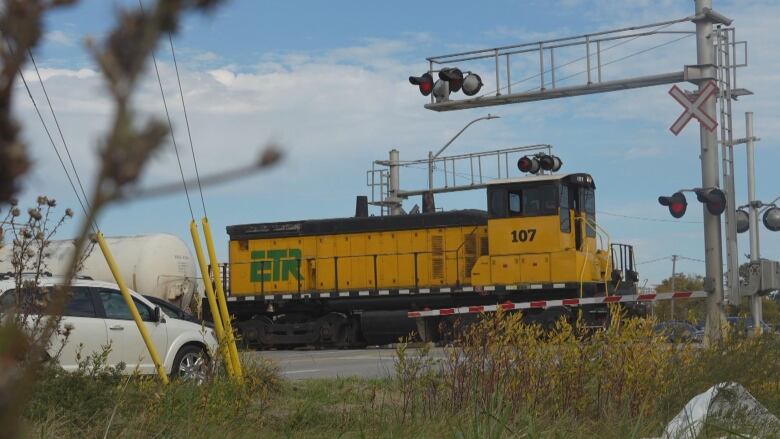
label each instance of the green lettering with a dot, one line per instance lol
(276, 256)
(259, 271)
(275, 265)
(292, 266)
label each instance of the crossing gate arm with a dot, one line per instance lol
(545, 304)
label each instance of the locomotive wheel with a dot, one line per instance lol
(333, 330)
(263, 327)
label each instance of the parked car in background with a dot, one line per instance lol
(96, 315)
(678, 331)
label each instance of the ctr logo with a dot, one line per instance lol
(275, 265)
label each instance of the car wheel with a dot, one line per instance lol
(192, 363)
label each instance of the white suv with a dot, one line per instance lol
(97, 315)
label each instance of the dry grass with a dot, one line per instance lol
(504, 379)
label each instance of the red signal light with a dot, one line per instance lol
(677, 204)
(424, 82)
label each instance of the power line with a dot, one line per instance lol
(54, 146)
(660, 220)
(187, 122)
(170, 126)
(62, 137)
(654, 260)
(663, 258)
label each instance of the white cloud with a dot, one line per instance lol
(48, 73)
(223, 76)
(59, 37)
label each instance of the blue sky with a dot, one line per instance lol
(328, 81)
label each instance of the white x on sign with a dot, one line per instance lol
(693, 107)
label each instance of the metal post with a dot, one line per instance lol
(392, 195)
(598, 59)
(430, 70)
(508, 76)
(674, 275)
(541, 66)
(587, 56)
(212, 298)
(227, 326)
(552, 67)
(498, 79)
(430, 170)
(713, 251)
(755, 254)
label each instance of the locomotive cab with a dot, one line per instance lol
(542, 230)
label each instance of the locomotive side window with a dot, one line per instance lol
(564, 212)
(515, 205)
(589, 203)
(497, 203)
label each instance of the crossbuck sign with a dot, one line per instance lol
(693, 107)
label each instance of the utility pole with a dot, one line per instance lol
(674, 275)
(394, 184)
(713, 247)
(755, 254)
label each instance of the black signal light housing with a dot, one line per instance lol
(676, 203)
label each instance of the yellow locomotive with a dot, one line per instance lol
(351, 281)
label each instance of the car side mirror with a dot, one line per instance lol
(158, 315)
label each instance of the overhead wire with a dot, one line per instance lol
(187, 122)
(670, 257)
(170, 126)
(59, 129)
(660, 220)
(64, 142)
(93, 225)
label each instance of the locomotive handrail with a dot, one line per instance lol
(598, 228)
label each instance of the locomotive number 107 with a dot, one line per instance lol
(523, 235)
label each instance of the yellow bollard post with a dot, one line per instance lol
(218, 327)
(221, 301)
(133, 310)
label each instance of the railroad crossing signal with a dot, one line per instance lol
(451, 80)
(677, 204)
(693, 107)
(713, 199)
(544, 162)
(424, 82)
